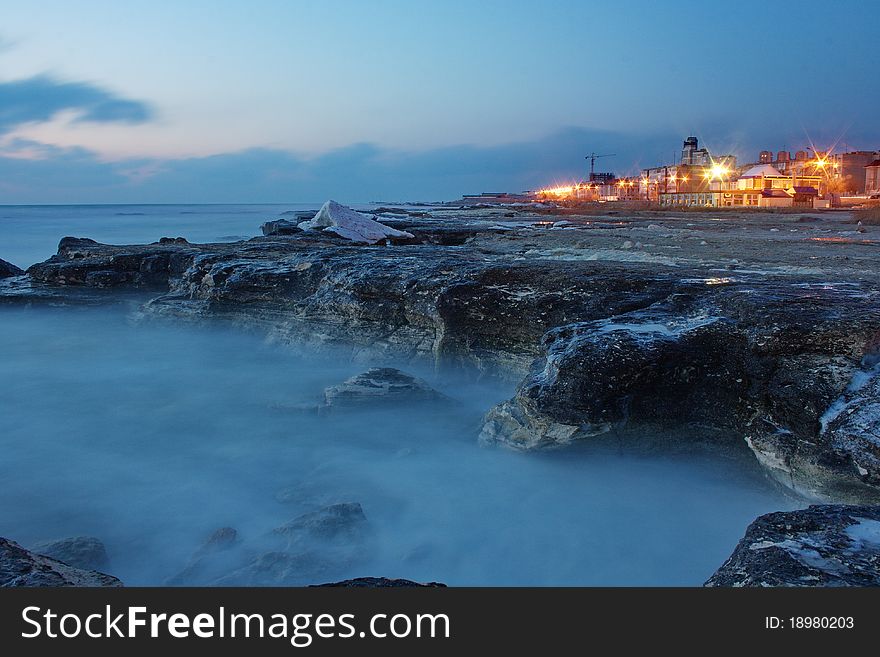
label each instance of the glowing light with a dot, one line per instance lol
(718, 171)
(563, 190)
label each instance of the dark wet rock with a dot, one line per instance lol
(760, 366)
(851, 426)
(80, 552)
(381, 386)
(345, 521)
(380, 583)
(172, 240)
(824, 545)
(7, 269)
(280, 227)
(85, 262)
(20, 567)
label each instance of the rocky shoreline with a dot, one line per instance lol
(750, 332)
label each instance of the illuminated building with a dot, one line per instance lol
(872, 178)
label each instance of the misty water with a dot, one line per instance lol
(151, 435)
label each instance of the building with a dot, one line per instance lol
(689, 176)
(693, 155)
(872, 178)
(849, 168)
(759, 186)
(838, 172)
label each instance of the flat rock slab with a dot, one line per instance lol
(823, 545)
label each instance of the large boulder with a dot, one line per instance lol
(79, 551)
(789, 377)
(381, 386)
(823, 545)
(7, 269)
(20, 567)
(351, 225)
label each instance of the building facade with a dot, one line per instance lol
(872, 178)
(760, 186)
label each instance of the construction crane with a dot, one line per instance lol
(592, 157)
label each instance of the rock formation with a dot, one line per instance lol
(824, 545)
(7, 269)
(20, 567)
(381, 386)
(758, 332)
(351, 225)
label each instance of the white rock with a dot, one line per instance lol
(350, 224)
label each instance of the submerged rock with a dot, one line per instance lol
(20, 567)
(351, 225)
(345, 522)
(278, 569)
(823, 545)
(380, 583)
(222, 539)
(7, 269)
(381, 386)
(80, 551)
(213, 559)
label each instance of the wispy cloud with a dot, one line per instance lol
(40, 98)
(38, 173)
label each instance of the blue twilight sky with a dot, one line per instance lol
(286, 100)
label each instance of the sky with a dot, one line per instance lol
(293, 101)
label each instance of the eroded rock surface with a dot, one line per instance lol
(824, 545)
(764, 364)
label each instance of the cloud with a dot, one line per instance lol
(39, 98)
(36, 173)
